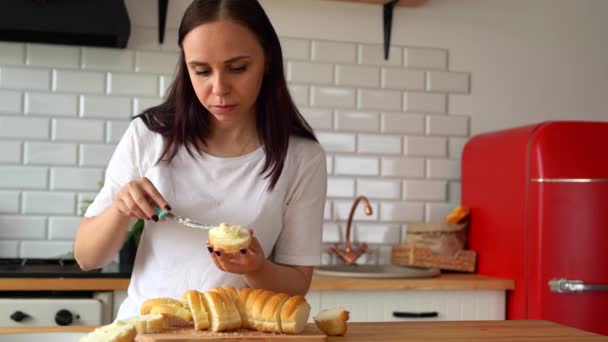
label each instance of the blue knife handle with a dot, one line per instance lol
(161, 213)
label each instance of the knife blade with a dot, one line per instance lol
(185, 221)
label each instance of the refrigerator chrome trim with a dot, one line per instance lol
(570, 286)
(569, 180)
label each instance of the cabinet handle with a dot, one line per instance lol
(403, 314)
(569, 286)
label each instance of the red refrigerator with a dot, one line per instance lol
(539, 215)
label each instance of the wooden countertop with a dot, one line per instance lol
(529, 331)
(450, 281)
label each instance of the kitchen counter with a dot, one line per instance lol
(449, 281)
(530, 331)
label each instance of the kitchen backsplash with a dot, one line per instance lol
(384, 124)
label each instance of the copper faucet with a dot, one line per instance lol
(348, 254)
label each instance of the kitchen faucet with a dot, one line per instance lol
(348, 254)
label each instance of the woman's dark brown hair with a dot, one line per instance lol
(183, 121)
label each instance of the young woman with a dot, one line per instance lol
(227, 145)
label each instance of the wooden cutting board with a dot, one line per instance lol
(310, 334)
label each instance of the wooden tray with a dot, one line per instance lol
(412, 255)
(310, 334)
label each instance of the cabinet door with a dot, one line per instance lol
(379, 306)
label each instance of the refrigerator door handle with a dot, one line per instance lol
(569, 286)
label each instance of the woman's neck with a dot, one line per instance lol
(232, 140)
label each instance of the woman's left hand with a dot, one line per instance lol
(247, 260)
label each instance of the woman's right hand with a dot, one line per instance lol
(137, 198)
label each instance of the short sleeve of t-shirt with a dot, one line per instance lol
(125, 165)
(300, 241)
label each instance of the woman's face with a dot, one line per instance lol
(226, 66)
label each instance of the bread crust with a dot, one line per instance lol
(175, 316)
(148, 304)
(335, 326)
(294, 315)
(200, 315)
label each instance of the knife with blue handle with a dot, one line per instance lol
(185, 221)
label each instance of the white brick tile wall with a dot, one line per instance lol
(460, 104)
(406, 79)
(295, 48)
(424, 190)
(52, 55)
(456, 146)
(9, 249)
(377, 233)
(379, 189)
(11, 152)
(110, 107)
(403, 167)
(327, 213)
(340, 187)
(304, 72)
(47, 153)
(164, 84)
(448, 125)
(95, 154)
(51, 104)
(25, 78)
(79, 81)
(11, 101)
(365, 166)
(342, 210)
(45, 249)
(379, 144)
(63, 227)
(436, 212)
(37, 202)
(77, 130)
(424, 102)
(22, 227)
(133, 84)
(12, 53)
(339, 52)
(425, 146)
(19, 177)
(402, 123)
(24, 128)
(455, 192)
(115, 130)
(357, 121)
(143, 103)
(382, 123)
(299, 93)
(156, 62)
(425, 58)
(318, 118)
(333, 97)
(107, 59)
(337, 142)
(355, 75)
(452, 82)
(9, 202)
(373, 54)
(443, 169)
(387, 100)
(75, 178)
(401, 212)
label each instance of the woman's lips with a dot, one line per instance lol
(224, 108)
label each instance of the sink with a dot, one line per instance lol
(46, 337)
(376, 271)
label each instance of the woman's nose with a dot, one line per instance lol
(220, 85)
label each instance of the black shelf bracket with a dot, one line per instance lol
(162, 19)
(387, 16)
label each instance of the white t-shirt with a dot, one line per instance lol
(172, 258)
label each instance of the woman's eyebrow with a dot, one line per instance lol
(230, 60)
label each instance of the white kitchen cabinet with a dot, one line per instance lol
(378, 306)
